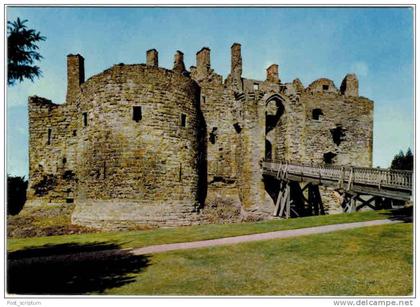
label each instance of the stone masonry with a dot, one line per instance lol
(140, 144)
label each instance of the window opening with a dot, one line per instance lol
(237, 127)
(338, 134)
(183, 120)
(316, 113)
(84, 119)
(268, 150)
(49, 136)
(328, 157)
(104, 169)
(213, 134)
(137, 116)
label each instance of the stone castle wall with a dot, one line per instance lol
(124, 165)
(50, 152)
(222, 139)
(146, 145)
(151, 161)
(341, 133)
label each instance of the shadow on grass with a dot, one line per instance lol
(71, 269)
(402, 214)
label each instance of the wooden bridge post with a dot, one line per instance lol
(346, 202)
(287, 202)
(279, 197)
(283, 201)
(353, 204)
(314, 200)
(341, 180)
(350, 183)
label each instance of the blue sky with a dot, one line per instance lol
(306, 43)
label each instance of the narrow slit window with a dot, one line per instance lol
(49, 136)
(137, 113)
(183, 120)
(256, 86)
(104, 169)
(84, 119)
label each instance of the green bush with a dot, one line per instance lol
(16, 193)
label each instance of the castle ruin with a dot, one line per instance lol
(146, 145)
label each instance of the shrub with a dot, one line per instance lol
(16, 193)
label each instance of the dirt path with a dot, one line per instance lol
(153, 249)
(256, 237)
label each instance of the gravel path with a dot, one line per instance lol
(153, 249)
(256, 237)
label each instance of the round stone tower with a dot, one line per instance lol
(137, 138)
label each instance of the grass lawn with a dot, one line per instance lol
(366, 261)
(193, 233)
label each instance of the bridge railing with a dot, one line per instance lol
(384, 177)
(357, 175)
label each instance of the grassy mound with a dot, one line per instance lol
(46, 220)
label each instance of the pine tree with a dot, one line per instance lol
(22, 52)
(403, 161)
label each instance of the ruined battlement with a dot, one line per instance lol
(35, 100)
(75, 76)
(144, 144)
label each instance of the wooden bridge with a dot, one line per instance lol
(358, 186)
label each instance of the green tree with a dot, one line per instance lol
(403, 161)
(22, 52)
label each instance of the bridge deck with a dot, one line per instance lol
(396, 184)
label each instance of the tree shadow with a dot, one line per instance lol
(402, 214)
(72, 268)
